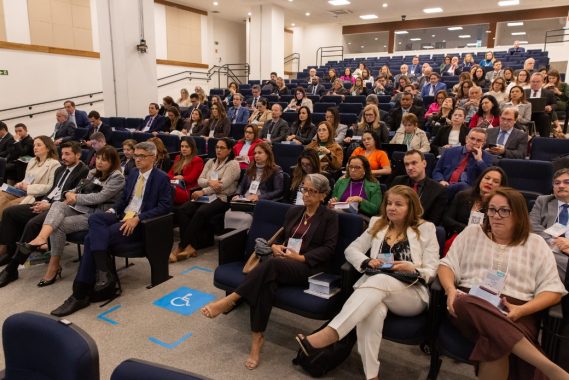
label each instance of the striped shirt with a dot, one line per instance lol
(530, 268)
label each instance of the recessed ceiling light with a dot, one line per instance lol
(368, 17)
(518, 33)
(362, 46)
(507, 3)
(290, 1)
(464, 36)
(384, 46)
(339, 2)
(293, 24)
(401, 32)
(433, 35)
(376, 38)
(471, 44)
(523, 42)
(414, 39)
(455, 28)
(215, 3)
(444, 40)
(433, 10)
(488, 31)
(307, 14)
(517, 23)
(249, 14)
(384, 5)
(349, 43)
(399, 43)
(428, 47)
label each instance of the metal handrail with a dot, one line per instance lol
(291, 58)
(555, 33)
(30, 115)
(329, 49)
(30, 106)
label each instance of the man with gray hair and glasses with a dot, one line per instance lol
(146, 195)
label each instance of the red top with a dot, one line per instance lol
(495, 122)
(190, 172)
(251, 153)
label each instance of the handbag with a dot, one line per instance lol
(88, 187)
(410, 278)
(262, 250)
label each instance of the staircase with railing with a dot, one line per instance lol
(556, 36)
(292, 59)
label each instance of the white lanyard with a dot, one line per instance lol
(298, 226)
(361, 189)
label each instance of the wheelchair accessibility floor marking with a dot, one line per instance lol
(195, 267)
(184, 301)
(103, 315)
(170, 345)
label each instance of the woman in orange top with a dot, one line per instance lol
(377, 158)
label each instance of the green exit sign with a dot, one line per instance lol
(3, 72)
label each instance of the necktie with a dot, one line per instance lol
(534, 94)
(235, 115)
(416, 187)
(432, 93)
(501, 138)
(254, 102)
(93, 161)
(313, 90)
(455, 176)
(149, 122)
(139, 186)
(564, 214)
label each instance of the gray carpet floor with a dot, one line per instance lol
(134, 327)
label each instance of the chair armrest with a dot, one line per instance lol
(349, 278)
(437, 307)
(231, 246)
(551, 334)
(161, 227)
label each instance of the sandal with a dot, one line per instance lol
(206, 310)
(188, 252)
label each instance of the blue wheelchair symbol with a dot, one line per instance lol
(184, 301)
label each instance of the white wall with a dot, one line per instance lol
(160, 31)
(310, 38)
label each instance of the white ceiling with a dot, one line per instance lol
(236, 10)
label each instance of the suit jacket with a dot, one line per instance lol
(545, 93)
(105, 129)
(517, 50)
(441, 139)
(157, 124)
(202, 107)
(516, 145)
(456, 217)
(319, 243)
(491, 75)
(104, 199)
(270, 188)
(5, 144)
(415, 70)
(320, 89)
(457, 70)
(543, 214)
(451, 158)
(433, 197)
(396, 114)
(427, 87)
(157, 197)
(242, 114)
(24, 147)
(78, 173)
(81, 119)
(221, 128)
(278, 132)
(65, 131)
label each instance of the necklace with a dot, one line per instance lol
(306, 219)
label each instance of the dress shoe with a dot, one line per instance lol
(27, 248)
(5, 259)
(70, 306)
(305, 346)
(7, 277)
(104, 281)
(45, 282)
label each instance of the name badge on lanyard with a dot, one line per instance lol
(268, 137)
(254, 187)
(491, 288)
(211, 132)
(476, 217)
(557, 230)
(299, 199)
(214, 175)
(294, 244)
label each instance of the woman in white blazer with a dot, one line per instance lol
(410, 244)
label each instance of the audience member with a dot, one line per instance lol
(498, 90)
(541, 117)
(302, 131)
(282, 89)
(97, 125)
(434, 86)
(369, 122)
(162, 160)
(452, 132)
(442, 117)
(21, 150)
(75, 116)
(311, 74)
(560, 92)
(308, 162)
(446, 61)
(495, 73)
(463, 89)
(377, 158)
(425, 77)
(487, 115)
(6, 140)
(516, 49)
(368, 78)
(237, 114)
(184, 99)
(231, 89)
(404, 72)
(201, 94)
(338, 88)
(479, 79)
(299, 100)
(347, 77)
(529, 65)
(453, 68)
(244, 149)
(358, 71)
(468, 61)
(415, 67)
(329, 151)
(488, 60)
(174, 124)
(96, 141)
(64, 128)
(154, 122)
(331, 78)
(185, 171)
(261, 113)
(471, 104)
(316, 88)
(167, 102)
(146, 195)
(411, 135)
(406, 106)
(197, 126)
(358, 88)
(218, 125)
(507, 141)
(127, 160)
(196, 104)
(435, 106)
(254, 98)
(276, 129)
(382, 87)
(271, 84)
(522, 80)
(508, 76)
(332, 116)
(519, 102)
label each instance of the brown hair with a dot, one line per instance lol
(331, 133)
(130, 143)
(51, 148)
(161, 151)
(183, 161)
(410, 118)
(255, 132)
(519, 213)
(270, 166)
(108, 153)
(414, 212)
(298, 172)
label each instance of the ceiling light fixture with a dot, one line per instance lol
(376, 38)
(307, 14)
(517, 23)
(433, 10)
(384, 5)
(464, 36)
(362, 46)
(523, 42)
(414, 39)
(401, 32)
(368, 17)
(433, 35)
(507, 3)
(249, 14)
(518, 33)
(428, 47)
(455, 28)
(215, 3)
(293, 24)
(471, 44)
(339, 2)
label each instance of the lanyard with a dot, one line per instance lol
(502, 251)
(298, 226)
(361, 189)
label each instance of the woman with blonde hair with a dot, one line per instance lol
(370, 122)
(184, 100)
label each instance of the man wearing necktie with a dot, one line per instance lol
(433, 86)
(238, 114)
(147, 194)
(6, 140)
(154, 122)
(97, 125)
(255, 96)
(507, 141)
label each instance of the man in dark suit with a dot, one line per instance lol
(541, 118)
(64, 128)
(24, 222)
(97, 125)
(433, 86)
(276, 129)
(432, 194)
(405, 106)
(154, 122)
(79, 118)
(195, 100)
(507, 141)
(96, 142)
(23, 146)
(146, 195)
(6, 140)
(415, 67)
(237, 114)
(516, 49)
(315, 88)
(453, 68)
(254, 98)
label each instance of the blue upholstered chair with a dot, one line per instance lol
(117, 123)
(531, 177)
(80, 134)
(135, 369)
(331, 99)
(40, 347)
(286, 155)
(546, 148)
(355, 99)
(355, 108)
(117, 138)
(323, 106)
(236, 246)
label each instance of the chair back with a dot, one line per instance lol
(547, 149)
(528, 175)
(268, 217)
(286, 155)
(2, 170)
(135, 369)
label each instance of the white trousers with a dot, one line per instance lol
(366, 310)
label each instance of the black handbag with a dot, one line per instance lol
(406, 277)
(88, 187)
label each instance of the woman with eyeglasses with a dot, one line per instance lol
(377, 158)
(307, 247)
(302, 130)
(488, 114)
(435, 106)
(185, 171)
(515, 272)
(441, 118)
(261, 113)
(358, 87)
(411, 135)
(370, 122)
(338, 88)
(299, 100)
(358, 188)
(498, 90)
(244, 149)
(479, 79)
(522, 80)
(332, 116)
(218, 180)
(307, 163)
(330, 153)
(405, 242)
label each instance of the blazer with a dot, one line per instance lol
(524, 111)
(396, 114)
(201, 107)
(441, 139)
(229, 173)
(105, 129)
(369, 206)
(180, 125)
(157, 124)
(456, 217)
(306, 102)
(220, 128)
(259, 118)
(330, 161)
(419, 140)
(415, 69)
(341, 133)
(241, 115)
(451, 158)
(514, 50)
(457, 70)
(250, 152)
(157, 197)
(76, 175)
(491, 75)
(545, 93)
(65, 131)
(544, 214)
(127, 166)
(270, 188)
(340, 91)
(279, 131)
(319, 243)
(427, 87)
(5, 144)
(516, 145)
(24, 147)
(197, 130)
(104, 199)
(81, 119)
(424, 252)
(190, 172)
(320, 89)
(433, 197)
(305, 136)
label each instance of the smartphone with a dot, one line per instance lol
(386, 266)
(492, 145)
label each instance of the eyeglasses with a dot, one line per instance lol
(251, 132)
(306, 190)
(141, 156)
(355, 167)
(220, 147)
(503, 212)
(560, 182)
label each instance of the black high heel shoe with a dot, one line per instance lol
(27, 248)
(305, 346)
(43, 282)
